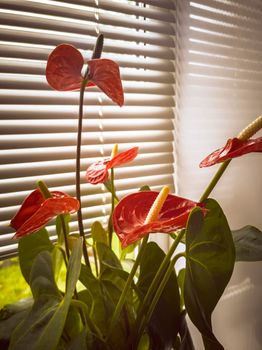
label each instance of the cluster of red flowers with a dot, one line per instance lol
(63, 73)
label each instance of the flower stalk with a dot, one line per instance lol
(96, 54)
(113, 195)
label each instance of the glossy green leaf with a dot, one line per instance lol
(43, 326)
(79, 342)
(29, 247)
(97, 299)
(107, 257)
(248, 243)
(98, 233)
(210, 257)
(10, 316)
(58, 260)
(50, 336)
(164, 323)
(47, 299)
(186, 342)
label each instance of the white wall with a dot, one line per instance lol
(219, 75)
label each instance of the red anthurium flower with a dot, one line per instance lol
(63, 72)
(233, 148)
(131, 212)
(36, 211)
(98, 172)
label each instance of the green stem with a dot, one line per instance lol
(95, 259)
(215, 180)
(128, 283)
(110, 226)
(155, 283)
(63, 223)
(157, 296)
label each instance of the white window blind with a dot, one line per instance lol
(219, 91)
(38, 125)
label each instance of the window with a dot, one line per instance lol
(38, 125)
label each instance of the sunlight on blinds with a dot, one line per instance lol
(38, 125)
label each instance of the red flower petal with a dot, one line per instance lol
(36, 211)
(30, 205)
(98, 171)
(105, 74)
(63, 70)
(233, 148)
(131, 212)
(123, 157)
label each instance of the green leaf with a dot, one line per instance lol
(164, 323)
(73, 325)
(107, 257)
(113, 279)
(144, 188)
(58, 259)
(210, 257)
(10, 316)
(44, 324)
(97, 299)
(74, 268)
(79, 342)
(29, 247)
(98, 233)
(248, 243)
(47, 299)
(185, 336)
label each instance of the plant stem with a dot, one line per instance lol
(215, 180)
(150, 292)
(96, 54)
(128, 283)
(61, 217)
(110, 226)
(78, 168)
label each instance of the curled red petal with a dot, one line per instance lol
(63, 70)
(131, 212)
(123, 157)
(97, 172)
(30, 205)
(233, 148)
(105, 74)
(49, 209)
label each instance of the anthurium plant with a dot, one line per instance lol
(121, 289)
